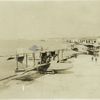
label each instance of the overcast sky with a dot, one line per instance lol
(31, 20)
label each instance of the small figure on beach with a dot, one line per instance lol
(92, 58)
(96, 59)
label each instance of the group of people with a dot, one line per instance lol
(46, 57)
(95, 56)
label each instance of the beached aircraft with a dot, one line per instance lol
(40, 61)
(34, 67)
(42, 64)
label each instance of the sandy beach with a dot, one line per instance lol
(38, 33)
(82, 81)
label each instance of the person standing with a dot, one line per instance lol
(92, 58)
(95, 59)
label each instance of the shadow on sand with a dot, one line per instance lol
(29, 79)
(32, 77)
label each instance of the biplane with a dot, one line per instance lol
(40, 61)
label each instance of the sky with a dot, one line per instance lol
(49, 19)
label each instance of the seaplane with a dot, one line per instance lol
(39, 61)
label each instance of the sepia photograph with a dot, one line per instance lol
(50, 49)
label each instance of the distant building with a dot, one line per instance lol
(88, 40)
(82, 40)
